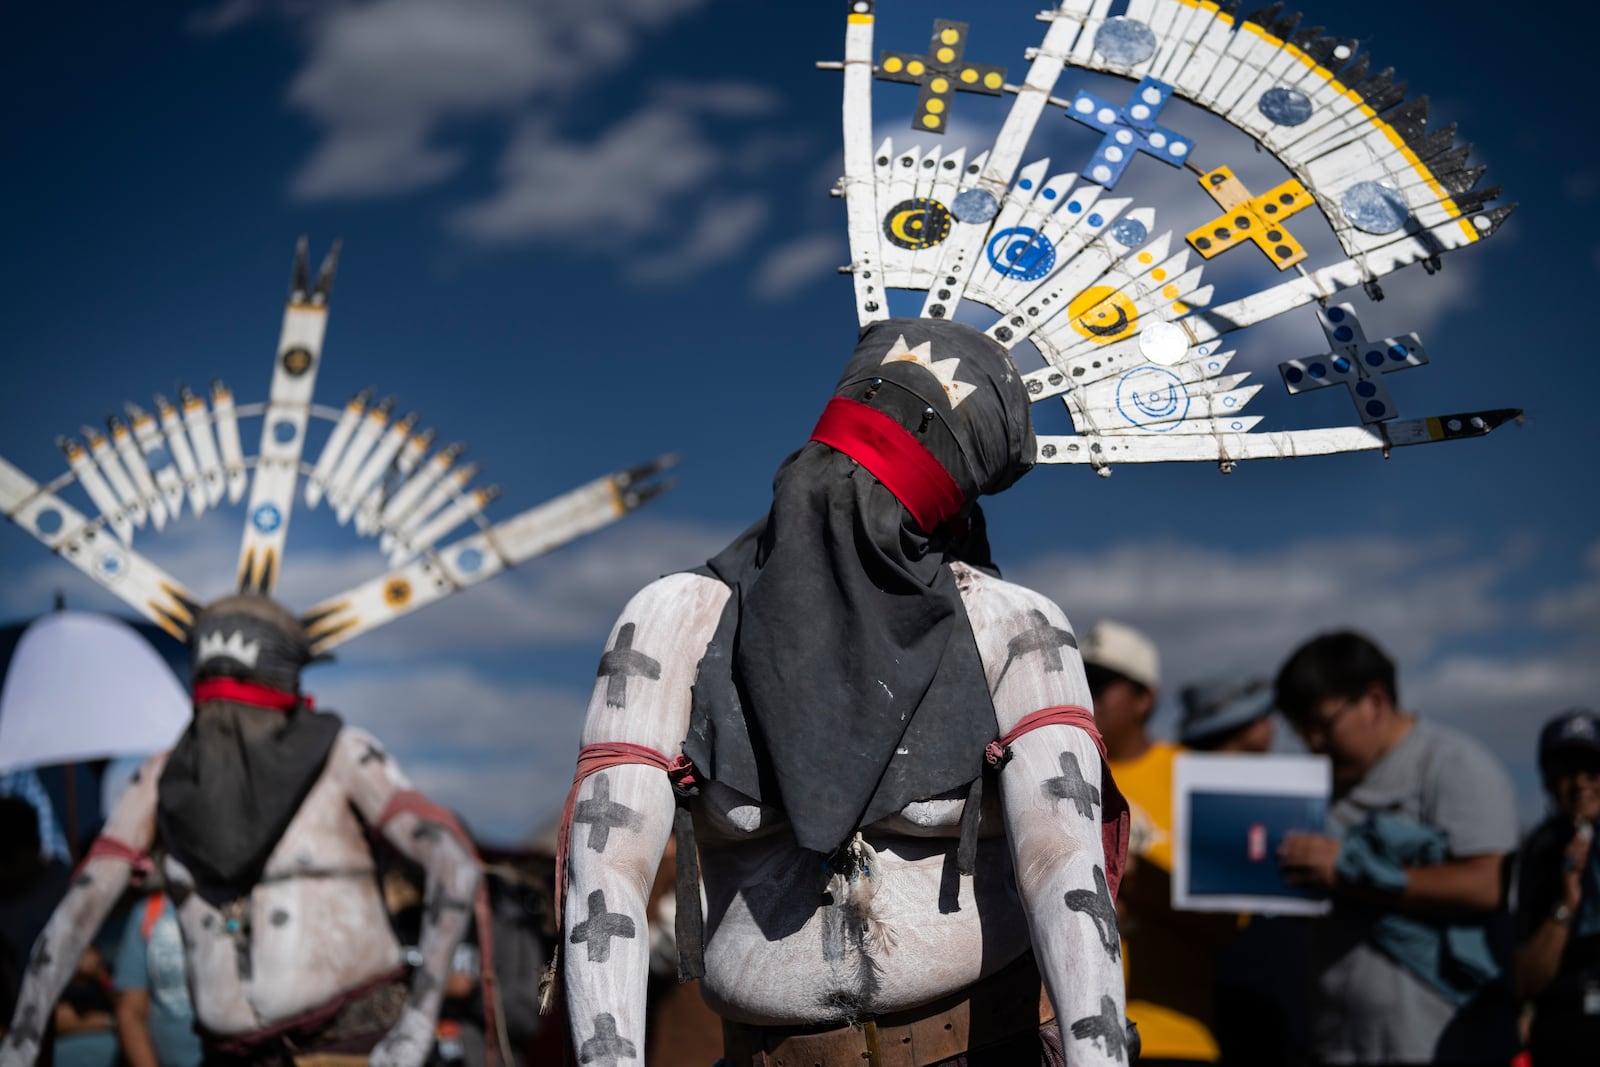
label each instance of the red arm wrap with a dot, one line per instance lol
(1114, 818)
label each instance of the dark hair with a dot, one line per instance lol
(1342, 664)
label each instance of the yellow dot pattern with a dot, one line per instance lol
(940, 85)
(1145, 257)
(916, 68)
(969, 76)
(950, 35)
(1158, 274)
(936, 106)
(946, 55)
(893, 64)
(1170, 292)
(930, 121)
(993, 80)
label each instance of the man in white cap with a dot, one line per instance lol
(1169, 955)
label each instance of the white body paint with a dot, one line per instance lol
(765, 955)
(335, 934)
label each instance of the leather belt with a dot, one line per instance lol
(1000, 1014)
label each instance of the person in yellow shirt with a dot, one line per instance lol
(1168, 957)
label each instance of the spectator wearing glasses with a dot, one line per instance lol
(1421, 821)
(1558, 897)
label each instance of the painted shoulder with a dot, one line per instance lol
(989, 598)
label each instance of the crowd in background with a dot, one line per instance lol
(1446, 942)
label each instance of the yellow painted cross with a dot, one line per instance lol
(1251, 218)
(940, 73)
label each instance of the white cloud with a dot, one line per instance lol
(499, 753)
(723, 228)
(383, 79)
(798, 263)
(225, 16)
(618, 184)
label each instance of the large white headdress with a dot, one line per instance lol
(1130, 338)
(372, 470)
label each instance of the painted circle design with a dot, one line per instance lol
(296, 361)
(1125, 41)
(1103, 314)
(284, 431)
(917, 223)
(1021, 253)
(48, 522)
(266, 518)
(397, 593)
(469, 561)
(1164, 343)
(1285, 107)
(974, 205)
(1374, 207)
(1129, 232)
(111, 565)
(1146, 395)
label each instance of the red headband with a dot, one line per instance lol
(245, 693)
(895, 457)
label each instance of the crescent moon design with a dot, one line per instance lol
(1103, 314)
(918, 223)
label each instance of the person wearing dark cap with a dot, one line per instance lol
(1558, 897)
(1227, 713)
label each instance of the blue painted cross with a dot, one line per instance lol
(1355, 362)
(1129, 130)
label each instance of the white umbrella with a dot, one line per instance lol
(85, 687)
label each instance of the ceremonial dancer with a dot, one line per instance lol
(904, 816)
(261, 816)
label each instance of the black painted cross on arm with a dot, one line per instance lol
(600, 927)
(606, 1047)
(1072, 785)
(1101, 910)
(604, 814)
(1040, 637)
(621, 662)
(1106, 1029)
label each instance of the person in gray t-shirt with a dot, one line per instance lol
(1422, 820)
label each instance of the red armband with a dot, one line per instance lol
(1114, 817)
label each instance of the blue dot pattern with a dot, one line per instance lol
(1128, 131)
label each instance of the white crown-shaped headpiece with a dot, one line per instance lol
(234, 647)
(1131, 340)
(372, 470)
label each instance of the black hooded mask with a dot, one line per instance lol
(242, 769)
(844, 681)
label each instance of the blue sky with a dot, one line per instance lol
(579, 235)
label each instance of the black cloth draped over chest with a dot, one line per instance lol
(844, 681)
(240, 772)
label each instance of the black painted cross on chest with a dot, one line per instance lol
(604, 814)
(606, 1046)
(600, 927)
(621, 662)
